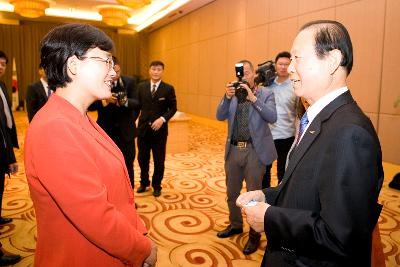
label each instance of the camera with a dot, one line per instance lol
(240, 91)
(266, 73)
(121, 97)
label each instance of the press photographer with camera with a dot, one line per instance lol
(117, 116)
(249, 145)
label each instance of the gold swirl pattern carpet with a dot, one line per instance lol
(192, 208)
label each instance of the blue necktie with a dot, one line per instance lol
(302, 127)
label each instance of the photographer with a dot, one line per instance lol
(249, 145)
(283, 130)
(117, 116)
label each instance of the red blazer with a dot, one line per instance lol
(81, 193)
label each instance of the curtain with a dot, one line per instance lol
(22, 42)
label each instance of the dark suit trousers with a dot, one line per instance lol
(282, 148)
(128, 150)
(157, 144)
(2, 178)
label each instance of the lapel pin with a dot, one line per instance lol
(312, 132)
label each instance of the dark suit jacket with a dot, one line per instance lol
(324, 211)
(162, 104)
(119, 121)
(36, 97)
(8, 137)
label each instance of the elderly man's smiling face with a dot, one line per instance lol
(310, 75)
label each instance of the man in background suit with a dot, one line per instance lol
(117, 116)
(325, 209)
(37, 95)
(8, 140)
(249, 146)
(158, 105)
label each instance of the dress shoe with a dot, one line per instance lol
(251, 246)
(157, 192)
(4, 220)
(253, 242)
(141, 189)
(6, 260)
(229, 231)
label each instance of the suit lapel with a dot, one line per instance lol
(311, 134)
(104, 140)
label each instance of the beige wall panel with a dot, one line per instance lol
(281, 35)
(257, 44)
(257, 12)
(389, 126)
(194, 26)
(193, 68)
(214, 102)
(341, 2)
(282, 9)
(204, 106)
(364, 21)
(206, 22)
(205, 70)
(217, 64)
(306, 6)
(165, 38)
(192, 104)
(374, 119)
(236, 15)
(236, 50)
(220, 17)
(183, 69)
(323, 14)
(391, 59)
(155, 43)
(181, 103)
(183, 30)
(171, 67)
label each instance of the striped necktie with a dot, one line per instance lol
(153, 90)
(302, 127)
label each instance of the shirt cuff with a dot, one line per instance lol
(164, 120)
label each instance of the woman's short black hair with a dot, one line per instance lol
(330, 35)
(65, 41)
(3, 55)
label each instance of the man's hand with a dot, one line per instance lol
(250, 96)
(230, 91)
(245, 198)
(255, 215)
(156, 125)
(152, 258)
(13, 167)
(112, 100)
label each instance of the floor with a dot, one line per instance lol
(192, 208)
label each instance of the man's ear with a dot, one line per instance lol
(334, 58)
(71, 65)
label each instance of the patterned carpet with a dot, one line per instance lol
(192, 208)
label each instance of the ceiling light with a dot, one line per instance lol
(114, 15)
(135, 4)
(30, 8)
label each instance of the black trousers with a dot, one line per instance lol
(282, 148)
(155, 143)
(2, 179)
(128, 150)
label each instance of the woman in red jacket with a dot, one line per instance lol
(77, 177)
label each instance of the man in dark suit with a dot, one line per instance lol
(325, 209)
(8, 140)
(158, 105)
(37, 95)
(117, 116)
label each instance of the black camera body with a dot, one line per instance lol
(266, 73)
(119, 93)
(240, 91)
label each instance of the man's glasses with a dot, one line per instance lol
(109, 62)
